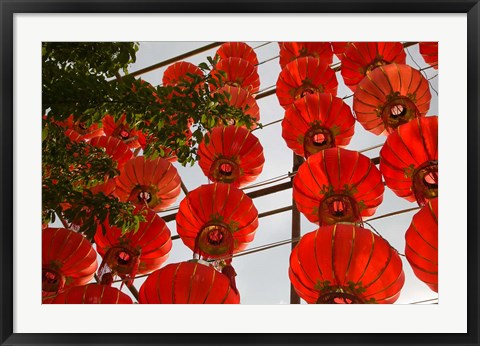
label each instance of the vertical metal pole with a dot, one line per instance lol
(297, 161)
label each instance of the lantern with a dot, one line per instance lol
(290, 51)
(86, 132)
(135, 251)
(360, 58)
(217, 219)
(316, 122)
(243, 100)
(429, 51)
(194, 282)
(337, 185)
(68, 259)
(179, 73)
(339, 48)
(421, 248)
(233, 155)
(409, 160)
(305, 76)
(389, 96)
(237, 50)
(91, 294)
(152, 183)
(115, 148)
(238, 73)
(345, 264)
(121, 130)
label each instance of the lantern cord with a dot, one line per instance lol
(371, 148)
(425, 301)
(268, 124)
(394, 213)
(347, 97)
(426, 68)
(420, 69)
(378, 233)
(263, 62)
(433, 77)
(263, 90)
(263, 44)
(269, 181)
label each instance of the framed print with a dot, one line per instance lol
(231, 173)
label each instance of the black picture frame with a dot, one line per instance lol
(9, 7)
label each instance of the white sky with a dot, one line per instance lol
(263, 276)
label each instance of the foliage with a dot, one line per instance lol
(83, 80)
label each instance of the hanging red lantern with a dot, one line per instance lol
(152, 183)
(421, 248)
(305, 76)
(290, 51)
(115, 148)
(339, 48)
(121, 130)
(237, 50)
(233, 155)
(360, 58)
(68, 259)
(179, 72)
(429, 51)
(217, 219)
(389, 96)
(239, 73)
(243, 100)
(337, 185)
(409, 160)
(90, 294)
(86, 132)
(135, 251)
(193, 282)
(345, 264)
(316, 122)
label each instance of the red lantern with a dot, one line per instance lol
(316, 122)
(217, 219)
(242, 99)
(305, 76)
(360, 58)
(339, 48)
(389, 96)
(290, 51)
(337, 185)
(409, 160)
(194, 282)
(429, 51)
(237, 50)
(141, 251)
(86, 133)
(121, 130)
(152, 183)
(68, 259)
(239, 73)
(233, 155)
(91, 294)
(421, 247)
(179, 73)
(115, 148)
(345, 264)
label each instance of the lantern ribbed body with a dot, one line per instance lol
(305, 76)
(115, 148)
(152, 242)
(421, 248)
(152, 183)
(237, 50)
(345, 264)
(121, 130)
(290, 51)
(339, 48)
(187, 283)
(179, 72)
(242, 99)
(68, 259)
(337, 172)
(239, 73)
(360, 58)
(91, 294)
(389, 96)
(220, 208)
(317, 115)
(233, 155)
(429, 51)
(410, 156)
